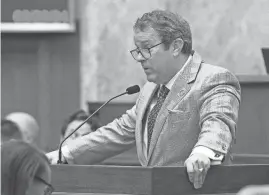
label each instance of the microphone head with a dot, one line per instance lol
(133, 89)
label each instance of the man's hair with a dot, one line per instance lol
(80, 115)
(21, 163)
(169, 27)
(9, 130)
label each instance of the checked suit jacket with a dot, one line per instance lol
(201, 109)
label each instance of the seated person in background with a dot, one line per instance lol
(73, 122)
(26, 124)
(254, 190)
(25, 170)
(95, 120)
(9, 130)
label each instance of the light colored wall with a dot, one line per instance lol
(226, 33)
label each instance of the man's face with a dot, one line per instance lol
(157, 67)
(83, 130)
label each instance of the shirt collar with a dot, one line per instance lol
(172, 81)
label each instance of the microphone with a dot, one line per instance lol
(130, 90)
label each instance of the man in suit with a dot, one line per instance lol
(186, 113)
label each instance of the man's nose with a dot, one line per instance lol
(143, 63)
(140, 58)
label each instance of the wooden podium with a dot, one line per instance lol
(155, 181)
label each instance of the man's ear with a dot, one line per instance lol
(177, 46)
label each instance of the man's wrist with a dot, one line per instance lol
(215, 158)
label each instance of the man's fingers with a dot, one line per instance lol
(190, 170)
(202, 173)
(207, 167)
(52, 157)
(203, 168)
(197, 167)
(197, 174)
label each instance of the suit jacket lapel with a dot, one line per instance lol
(144, 100)
(179, 89)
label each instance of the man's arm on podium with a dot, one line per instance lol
(105, 142)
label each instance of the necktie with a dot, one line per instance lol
(155, 110)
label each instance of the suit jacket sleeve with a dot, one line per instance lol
(105, 142)
(219, 111)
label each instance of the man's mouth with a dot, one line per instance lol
(146, 69)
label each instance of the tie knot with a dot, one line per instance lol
(163, 92)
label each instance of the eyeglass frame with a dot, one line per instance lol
(50, 187)
(139, 51)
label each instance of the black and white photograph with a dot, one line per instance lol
(135, 97)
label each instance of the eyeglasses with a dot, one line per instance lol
(145, 52)
(49, 189)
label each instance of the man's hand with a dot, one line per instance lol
(197, 167)
(53, 157)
